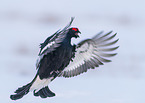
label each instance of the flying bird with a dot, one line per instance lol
(59, 58)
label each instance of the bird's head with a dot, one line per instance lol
(74, 32)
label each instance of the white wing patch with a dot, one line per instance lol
(90, 53)
(47, 46)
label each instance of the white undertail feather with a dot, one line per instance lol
(39, 84)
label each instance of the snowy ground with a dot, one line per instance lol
(25, 24)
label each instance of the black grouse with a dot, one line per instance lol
(57, 57)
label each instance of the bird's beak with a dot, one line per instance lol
(77, 34)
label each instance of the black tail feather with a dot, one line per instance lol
(20, 92)
(44, 93)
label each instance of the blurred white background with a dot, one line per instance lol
(24, 24)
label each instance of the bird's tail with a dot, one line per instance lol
(38, 86)
(20, 92)
(44, 93)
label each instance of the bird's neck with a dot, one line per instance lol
(68, 39)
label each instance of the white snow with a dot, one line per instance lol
(25, 24)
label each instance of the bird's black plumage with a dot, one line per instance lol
(61, 56)
(57, 57)
(55, 54)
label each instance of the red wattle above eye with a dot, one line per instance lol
(75, 29)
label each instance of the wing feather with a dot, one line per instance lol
(52, 42)
(91, 53)
(107, 49)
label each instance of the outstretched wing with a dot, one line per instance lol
(91, 53)
(54, 41)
